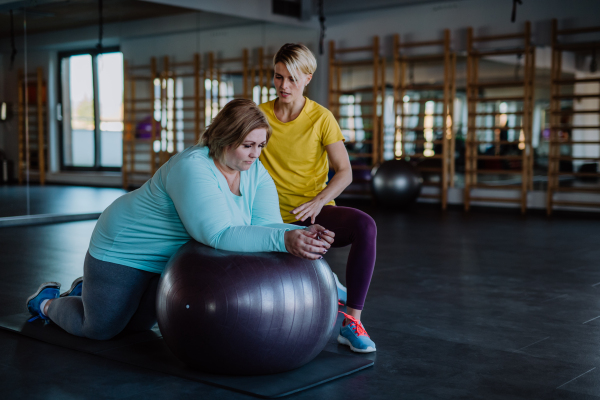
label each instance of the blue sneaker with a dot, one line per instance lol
(46, 291)
(355, 336)
(341, 289)
(76, 288)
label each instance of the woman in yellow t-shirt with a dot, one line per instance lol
(306, 138)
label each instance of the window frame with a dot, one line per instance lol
(97, 137)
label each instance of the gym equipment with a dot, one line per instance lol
(583, 138)
(245, 313)
(361, 175)
(261, 77)
(396, 183)
(361, 171)
(423, 110)
(32, 136)
(174, 91)
(346, 97)
(143, 129)
(485, 125)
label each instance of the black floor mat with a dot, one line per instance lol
(148, 350)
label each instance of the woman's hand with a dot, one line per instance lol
(310, 209)
(304, 243)
(321, 233)
(339, 161)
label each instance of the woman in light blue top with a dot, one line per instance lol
(216, 192)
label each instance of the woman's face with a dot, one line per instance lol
(242, 157)
(288, 90)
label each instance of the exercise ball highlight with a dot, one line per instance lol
(396, 183)
(235, 313)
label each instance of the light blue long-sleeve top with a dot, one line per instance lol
(188, 197)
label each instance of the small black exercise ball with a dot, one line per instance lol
(236, 313)
(396, 183)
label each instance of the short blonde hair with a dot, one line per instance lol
(232, 124)
(297, 58)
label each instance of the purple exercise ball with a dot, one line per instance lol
(240, 313)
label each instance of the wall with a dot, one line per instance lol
(178, 37)
(182, 35)
(260, 10)
(225, 42)
(427, 22)
(3, 127)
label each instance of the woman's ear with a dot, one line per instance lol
(308, 79)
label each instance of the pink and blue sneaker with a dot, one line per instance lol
(355, 336)
(75, 289)
(46, 291)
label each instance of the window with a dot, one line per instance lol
(91, 110)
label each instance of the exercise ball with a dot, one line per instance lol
(396, 183)
(360, 171)
(233, 313)
(143, 129)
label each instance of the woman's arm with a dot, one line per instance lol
(340, 162)
(265, 206)
(205, 214)
(265, 212)
(204, 211)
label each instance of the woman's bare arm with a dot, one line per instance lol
(339, 161)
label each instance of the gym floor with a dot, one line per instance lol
(481, 305)
(54, 199)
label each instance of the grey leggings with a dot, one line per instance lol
(114, 298)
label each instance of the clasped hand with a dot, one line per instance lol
(311, 242)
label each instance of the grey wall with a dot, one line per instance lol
(181, 36)
(178, 37)
(427, 22)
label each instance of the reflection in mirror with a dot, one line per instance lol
(92, 110)
(110, 96)
(78, 111)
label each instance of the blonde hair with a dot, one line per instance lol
(297, 58)
(230, 127)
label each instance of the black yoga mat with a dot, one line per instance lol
(148, 350)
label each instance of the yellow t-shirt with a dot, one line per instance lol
(295, 155)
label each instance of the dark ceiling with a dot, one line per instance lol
(68, 14)
(53, 15)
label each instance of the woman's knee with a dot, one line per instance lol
(364, 224)
(101, 332)
(103, 328)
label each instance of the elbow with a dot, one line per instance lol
(207, 241)
(348, 177)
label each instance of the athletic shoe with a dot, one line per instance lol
(355, 336)
(75, 289)
(341, 289)
(46, 291)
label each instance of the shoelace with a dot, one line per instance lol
(38, 316)
(355, 325)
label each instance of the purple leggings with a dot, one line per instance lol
(352, 227)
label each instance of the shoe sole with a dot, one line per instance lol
(42, 287)
(75, 283)
(346, 342)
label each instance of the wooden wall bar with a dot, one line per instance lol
(561, 134)
(32, 127)
(495, 164)
(439, 93)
